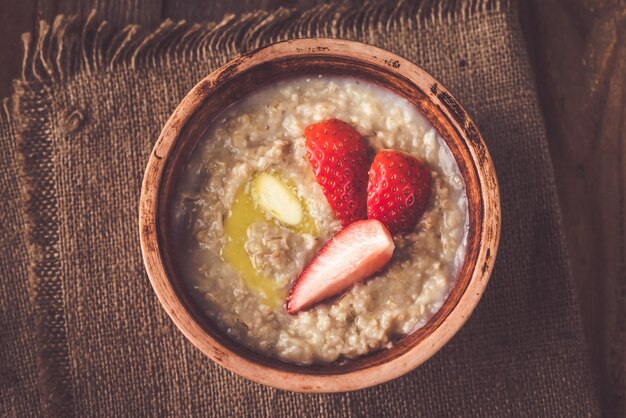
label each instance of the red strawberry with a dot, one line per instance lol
(398, 190)
(338, 156)
(356, 252)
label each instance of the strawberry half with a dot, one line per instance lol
(398, 190)
(338, 156)
(356, 252)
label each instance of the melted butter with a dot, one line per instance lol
(243, 213)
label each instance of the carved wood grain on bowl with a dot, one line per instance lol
(335, 59)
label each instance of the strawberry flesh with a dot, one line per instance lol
(398, 190)
(355, 253)
(339, 158)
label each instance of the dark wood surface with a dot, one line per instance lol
(579, 55)
(578, 50)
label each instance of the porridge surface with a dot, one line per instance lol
(242, 283)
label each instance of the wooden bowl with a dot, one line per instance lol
(319, 56)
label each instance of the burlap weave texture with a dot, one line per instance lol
(86, 114)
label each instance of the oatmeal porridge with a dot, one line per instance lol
(251, 215)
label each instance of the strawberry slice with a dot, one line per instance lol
(398, 190)
(356, 252)
(338, 156)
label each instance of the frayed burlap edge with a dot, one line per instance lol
(58, 50)
(55, 52)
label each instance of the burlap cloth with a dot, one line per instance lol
(83, 333)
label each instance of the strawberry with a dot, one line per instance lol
(398, 190)
(356, 252)
(338, 156)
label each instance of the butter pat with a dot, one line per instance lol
(277, 199)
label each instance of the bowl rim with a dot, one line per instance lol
(488, 235)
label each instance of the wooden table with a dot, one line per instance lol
(578, 49)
